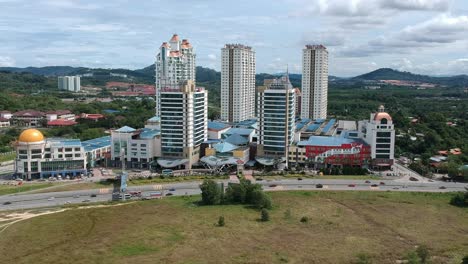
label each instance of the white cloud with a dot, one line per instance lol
(99, 28)
(434, 5)
(211, 56)
(6, 61)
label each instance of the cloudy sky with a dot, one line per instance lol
(422, 36)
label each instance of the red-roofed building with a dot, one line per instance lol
(4, 122)
(28, 118)
(61, 123)
(95, 117)
(60, 114)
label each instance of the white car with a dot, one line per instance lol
(51, 199)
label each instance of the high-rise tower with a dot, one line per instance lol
(314, 82)
(237, 82)
(175, 63)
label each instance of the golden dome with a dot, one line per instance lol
(31, 135)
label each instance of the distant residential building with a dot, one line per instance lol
(276, 115)
(94, 117)
(6, 114)
(60, 114)
(237, 83)
(379, 133)
(38, 157)
(314, 82)
(69, 83)
(184, 124)
(28, 118)
(175, 63)
(4, 122)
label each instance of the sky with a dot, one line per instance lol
(421, 36)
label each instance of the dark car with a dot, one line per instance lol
(299, 179)
(172, 189)
(93, 195)
(374, 185)
(413, 179)
(382, 183)
(259, 179)
(7, 203)
(273, 185)
(351, 185)
(442, 187)
(169, 194)
(319, 186)
(367, 181)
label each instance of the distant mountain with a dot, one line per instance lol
(45, 71)
(391, 74)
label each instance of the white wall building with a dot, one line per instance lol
(175, 62)
(276, 114)
(141, 146)
(184, 123)
(237, 83)
(69, 83)
(314, 82)
(379, 133)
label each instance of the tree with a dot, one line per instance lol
(423, 254)
(211, 192)
(260, 199)
(221, 221)
(264, 215)
(465, 260)
(412, 258)
(460, 199)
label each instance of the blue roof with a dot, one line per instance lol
(155, 119)
(328, 126)
(126, 129)
(249, 123)
(217, 125)
(65, 142)
(319, 120)
(313, 127)
(224, 147)
(111, 111)
(236, 139)
(96, 143)
(328, 141)
(240, 131)
(147, 133)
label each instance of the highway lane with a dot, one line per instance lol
(53, 199)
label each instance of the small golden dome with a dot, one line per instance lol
(382, 115)
(31, 135)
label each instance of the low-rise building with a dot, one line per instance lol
(38, 157)
(4, 122)
(6, 114)
(28, 118)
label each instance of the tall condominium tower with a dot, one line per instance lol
(276, 108)
(70, 83)
(237, 83)
(184, 123)
(175, 62)
(314, 82)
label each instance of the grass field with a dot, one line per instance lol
(7, 157)
(9, 189)
(384, 226)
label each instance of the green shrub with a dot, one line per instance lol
(304, 219)
(264, 215)
(211, 192)
(221, 221)
(362, 258)
(460, 199)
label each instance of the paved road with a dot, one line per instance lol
(28, 201)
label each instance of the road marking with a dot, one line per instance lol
(104, 190)
(158, 187)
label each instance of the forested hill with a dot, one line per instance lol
(207, 75)
(391, 74)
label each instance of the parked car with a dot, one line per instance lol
(374, 185)
(413, 179)
(7, 203)
(351, 185)
(169, 194)
(172, 189)
(93, 195)
(382, 183)
(299, 179)
(273, 185)
(367, 181)
(442, 187)
(319, 186)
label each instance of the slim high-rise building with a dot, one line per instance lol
(276, 114)
(184, 122)
(175, 63)
(314, 82)
(237, 83)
